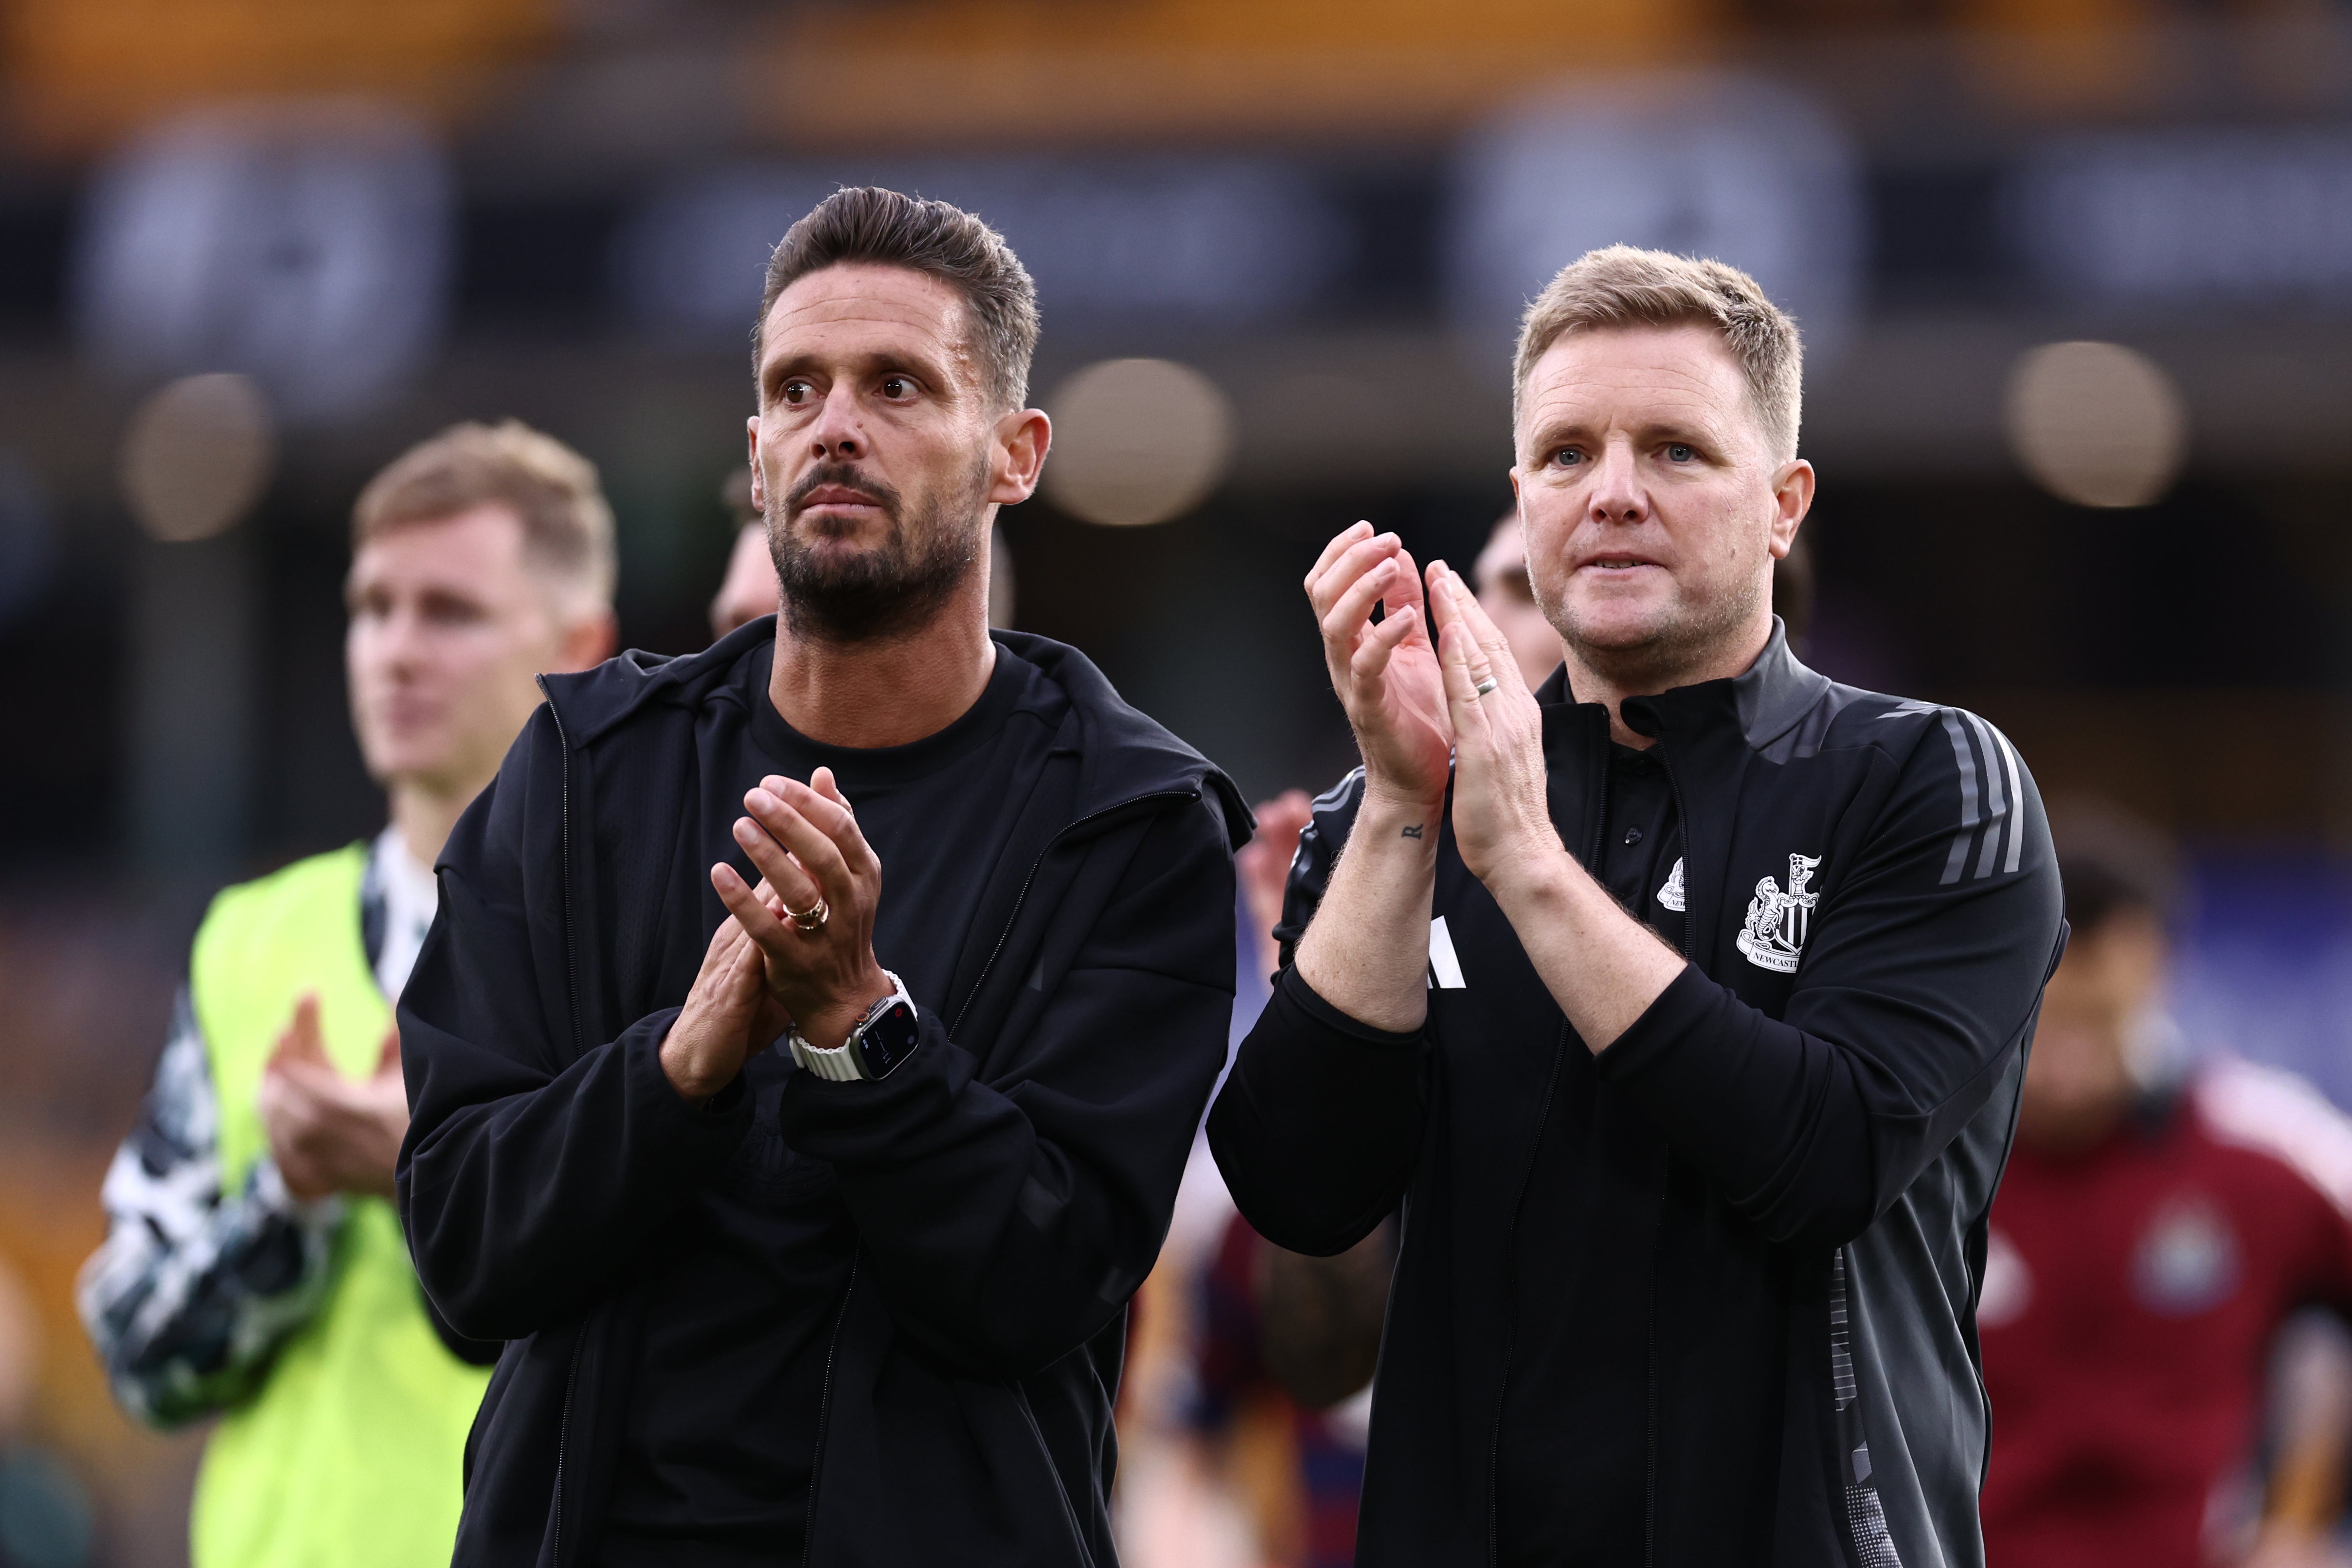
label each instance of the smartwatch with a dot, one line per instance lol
(880, 1040)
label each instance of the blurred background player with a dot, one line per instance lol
(1500, 576)
(749, 589)
(254, 1269)
(2154, 1231)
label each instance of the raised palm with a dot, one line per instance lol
(1386, 672)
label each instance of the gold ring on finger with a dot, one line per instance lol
(810, 921)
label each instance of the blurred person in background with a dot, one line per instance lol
(2157, 1227)
(1688, 1277)
(1499, 579)
(802, 1259)
(749, 589)
(254, 1269)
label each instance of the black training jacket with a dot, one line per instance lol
(1809, 1138)
(1010, 1184)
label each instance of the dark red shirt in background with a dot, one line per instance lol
(2131, 1293)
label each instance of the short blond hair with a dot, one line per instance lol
(1620, 286)
(567, 524)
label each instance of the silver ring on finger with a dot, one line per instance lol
(1487, 685)
(810, 921)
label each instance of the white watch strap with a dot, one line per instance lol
(839, 1065)
(836, 1064)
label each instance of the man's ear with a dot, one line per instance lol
(1021, 439)
(759, 480)
(1792, 498)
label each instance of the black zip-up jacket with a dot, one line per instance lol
(1777, 1179)
(1009, 1184)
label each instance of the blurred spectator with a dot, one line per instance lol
(2155, 1229)
(1263, 865)
(1500, 578)
(254, 1267)
(750, 590)
(1281, 1345)
(1284, 1387)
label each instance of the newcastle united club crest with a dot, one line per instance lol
(1777, 922)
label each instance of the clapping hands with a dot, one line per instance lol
(1416, 704)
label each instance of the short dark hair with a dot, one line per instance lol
(2113, 862)
(870, 224)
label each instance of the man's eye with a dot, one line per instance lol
(896, 387)
(794, 393)
(1679, 451)
(1567, 457)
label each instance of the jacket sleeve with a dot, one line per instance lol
(1923, 972)
(533, 1171)
(1008, 1219)
(1320, 1123)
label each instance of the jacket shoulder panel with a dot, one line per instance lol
(1948, 761)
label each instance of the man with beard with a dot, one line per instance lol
(1682, 1001)
(808, 1052)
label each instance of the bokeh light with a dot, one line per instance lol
(2096, 423)
(197, 456)
(1137, 442)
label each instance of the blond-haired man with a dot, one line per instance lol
(254, 1269)
(1682, 1002)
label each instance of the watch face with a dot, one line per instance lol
(889, 1040)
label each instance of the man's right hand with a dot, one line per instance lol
(729, 1016)
(1386, 675)
(329, 1133)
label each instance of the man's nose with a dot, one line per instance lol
(839, 434)
(1618, 495)
(401, 638)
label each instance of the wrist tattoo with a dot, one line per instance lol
(1414, 831)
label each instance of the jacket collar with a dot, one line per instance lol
(1123, 753)
(1766, 700)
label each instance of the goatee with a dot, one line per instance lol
(884, 592)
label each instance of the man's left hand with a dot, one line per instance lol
(803, 840)
(1502, 821)
(330, 1133)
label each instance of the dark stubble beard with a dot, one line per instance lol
(886, 592)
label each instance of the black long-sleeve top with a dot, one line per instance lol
(1707, 1297)
(948, 1252)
